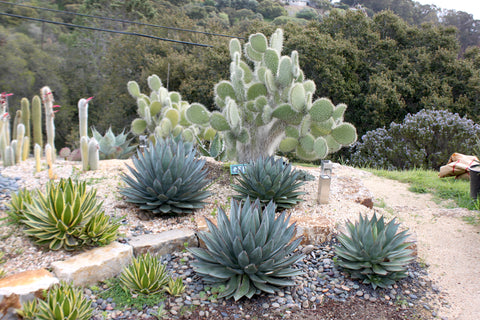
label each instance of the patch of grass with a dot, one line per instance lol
(125, 299)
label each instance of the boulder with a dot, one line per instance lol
(163, 242)
(315, 230)
(94, 265)
(21, 287)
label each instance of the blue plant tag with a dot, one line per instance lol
(237, 168)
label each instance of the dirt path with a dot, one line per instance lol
(450, 246)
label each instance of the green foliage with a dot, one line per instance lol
(113, 147)
(167, 178)
(269, 180)
(62, 302)
(144, 275)
(67, 216)
(175, 287)
(17, 204)
(215, 149)
(374, 251)
(248, 252)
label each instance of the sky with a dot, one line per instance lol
(469, 6)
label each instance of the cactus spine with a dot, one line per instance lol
(271, 107)
(47, 98)
(25, 107)
(93, 154)
(37, 121)
(162, 113)
(37, 150)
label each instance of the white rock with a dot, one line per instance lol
(163, 242)
(95, 265)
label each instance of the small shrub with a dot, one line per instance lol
(144, 275)
(374, 252)
(268, 180)
(62, 302)
(167, 178)
(68, 216)
(249, 252)
(423, 140)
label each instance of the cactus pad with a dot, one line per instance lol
(258, 42)
(344, 134)
(321, 110)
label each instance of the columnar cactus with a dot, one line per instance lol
(4, 139)
(37, 152)
(271, 107)
(25, 107)
(83, 125)
(47, 98)
(37, 120)
(19, 146)
(163, 113)
(49, 159)
(93, 154)
(16, 121)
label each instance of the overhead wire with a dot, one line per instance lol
(120, 20)
(105, 30)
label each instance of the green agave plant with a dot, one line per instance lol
(250, 252)
(61, 217)
(268, 179)
(113, 147)
(175, 287)
(167, 178)
(16, 206)
(216, 148)
(144, 275)
(374, 251)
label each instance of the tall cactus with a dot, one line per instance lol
(16, 121)
(4, 139)
(271, 107)
(93, 154)
(37, 121)
(163, 113)
(20, 138)
(47, 98)
(25, 107)
(84, 152)
(37, 152)
(83, 125)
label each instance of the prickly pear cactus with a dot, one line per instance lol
(162, 113)
(271, 107)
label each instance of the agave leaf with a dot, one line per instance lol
(243, 289)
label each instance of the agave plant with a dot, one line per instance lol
(167, 178)
(374, 251)
(100, 230)
(175, 287)
(61, 217)
(16, 206)
(268, 179)
(249, 252)
(216, 148)
(144, 275)
(63, 302)
(113, 147)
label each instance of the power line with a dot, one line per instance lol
(120, 20)
(105, 30)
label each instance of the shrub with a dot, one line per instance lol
(423, 140)
(68, 216)
(63, 302)
(144, 275)
(113, 147)
(249, 252)
(268, 180)
(167, 178)
(374, 252)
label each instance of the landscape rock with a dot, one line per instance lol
(315, 230)
(163, 242)
(21, 287)
(94, 265)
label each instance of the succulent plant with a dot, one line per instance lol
(162, 113)
(16, 206)
(271, 106)
(215, 149)
(61, 217)
(374, 251)
(113, 147)
(249, 252)
(268, 180)
(167, 178)
(144, 275)
(175, 287)
(63, 302)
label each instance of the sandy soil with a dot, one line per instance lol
(447, 244)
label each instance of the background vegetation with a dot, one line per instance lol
(382, 64)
